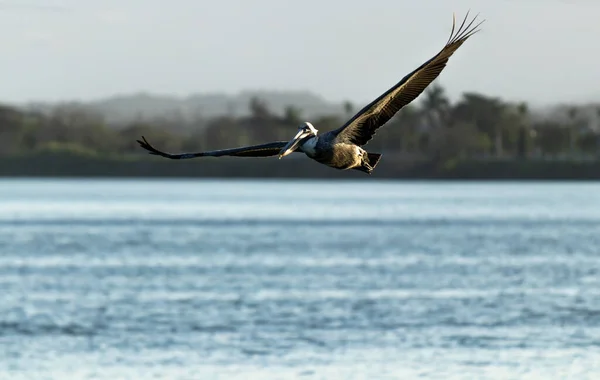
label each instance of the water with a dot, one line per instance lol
(311, 280)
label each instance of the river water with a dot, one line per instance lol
(193, 279)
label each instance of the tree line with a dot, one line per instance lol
(433, 127)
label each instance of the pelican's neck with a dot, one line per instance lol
(310, 145)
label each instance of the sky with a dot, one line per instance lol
(541, 51)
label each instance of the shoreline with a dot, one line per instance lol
(88, 166)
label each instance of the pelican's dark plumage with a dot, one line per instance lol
(342, 147)
(262, 150)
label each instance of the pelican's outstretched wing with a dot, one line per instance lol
(361, 128)
(263, 150)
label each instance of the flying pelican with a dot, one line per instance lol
(342, 147)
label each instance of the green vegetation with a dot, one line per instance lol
(476, 137)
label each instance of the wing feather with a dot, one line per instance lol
(262, 150)
(361, 128)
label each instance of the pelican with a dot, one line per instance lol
(342, 148)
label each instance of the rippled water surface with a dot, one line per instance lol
(313, 280)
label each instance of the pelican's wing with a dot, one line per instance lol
(263, 150)
(361, 128)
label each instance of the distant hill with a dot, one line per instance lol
(121, 109)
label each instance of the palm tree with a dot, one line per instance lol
(348, 108)
(573, 114)
(435, 106)
(598, 129)
(408, 120)
(523, 113)
(259, 109)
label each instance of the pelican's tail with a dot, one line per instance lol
(374, 159)
(367, 167)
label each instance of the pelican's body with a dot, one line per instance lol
(326, 150)
(342, 148)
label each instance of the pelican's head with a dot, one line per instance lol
(305, 132)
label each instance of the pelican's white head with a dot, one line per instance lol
(306, 131)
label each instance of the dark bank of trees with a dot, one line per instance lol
(433, 128)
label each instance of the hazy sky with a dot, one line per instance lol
(537, 50)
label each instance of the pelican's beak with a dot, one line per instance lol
(294, 143)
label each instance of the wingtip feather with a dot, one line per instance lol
(465, 30)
